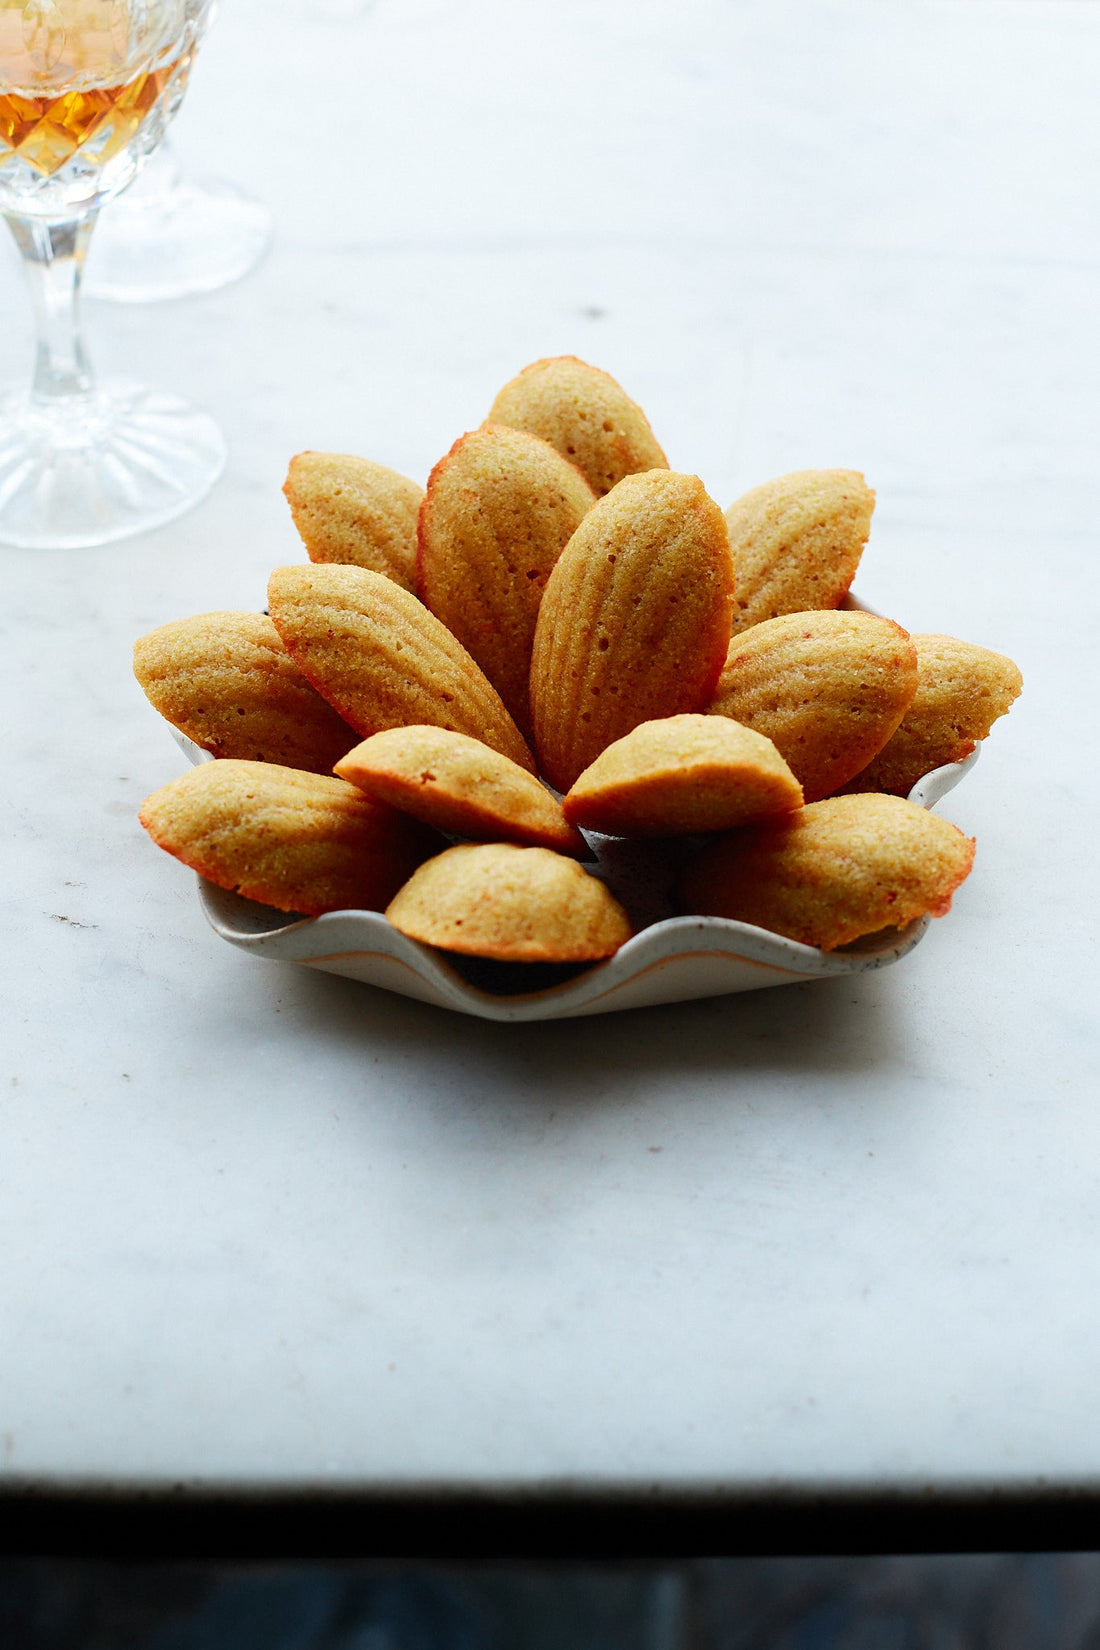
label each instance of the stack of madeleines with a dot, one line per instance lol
(560, 609)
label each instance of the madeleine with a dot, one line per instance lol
(832, 872)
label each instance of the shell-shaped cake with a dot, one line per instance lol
(585, 414)
(298, 841)
(353, 511)
(499, 511)
(635, 621)
(680, 775)
(377, 654)
(514, 904)
(832, 872)
(228, 683)
(460, 786)
(797, 542)
(961, 691)
(828, 689)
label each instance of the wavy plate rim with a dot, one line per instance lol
(677, 959)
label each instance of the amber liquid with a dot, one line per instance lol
(72, 86)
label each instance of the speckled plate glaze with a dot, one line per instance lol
(671, 960)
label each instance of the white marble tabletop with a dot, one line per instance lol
(264, 1227)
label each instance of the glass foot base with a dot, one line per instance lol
(122, 462)
(195, 236)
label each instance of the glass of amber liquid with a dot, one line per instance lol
(87, 88)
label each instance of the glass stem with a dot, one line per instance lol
(53, 257)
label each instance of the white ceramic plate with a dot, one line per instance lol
(669, 961)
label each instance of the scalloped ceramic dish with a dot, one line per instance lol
(671, 960)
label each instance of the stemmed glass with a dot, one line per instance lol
(173, 234)
(87, 88)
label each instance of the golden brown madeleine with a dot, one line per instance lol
(228, 683)
(298, 841)
(827, 688)
(499, 511)
(585, 414)
(797, 541)
(377, 654)
(350, 510)
(833, 871)
(459, 785)
(516, 904)
(683, 774)
(961, 691)
(634, 622)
